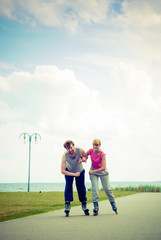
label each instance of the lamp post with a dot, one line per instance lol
(36, 137)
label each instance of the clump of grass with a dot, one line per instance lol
(21, 204)
(141, 188)
(150, 188)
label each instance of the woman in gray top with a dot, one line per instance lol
(71, 167)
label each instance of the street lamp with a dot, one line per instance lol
(36, 138)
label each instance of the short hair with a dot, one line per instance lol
(67, 144)
(96, 141)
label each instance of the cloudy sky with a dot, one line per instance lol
(80, 70)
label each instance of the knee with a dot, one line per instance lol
(68, 186)
(107, 189)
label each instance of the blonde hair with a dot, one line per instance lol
(67, 144)
(96, 141)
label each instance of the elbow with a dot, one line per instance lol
(62, 171)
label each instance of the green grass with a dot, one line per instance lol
(21, 204)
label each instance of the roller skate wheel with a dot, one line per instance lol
(86, 212)
(67, 214)
(95, 213)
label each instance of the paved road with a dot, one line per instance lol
(139, 218)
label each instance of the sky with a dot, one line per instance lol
(80, 70)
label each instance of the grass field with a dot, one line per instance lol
(20, 204)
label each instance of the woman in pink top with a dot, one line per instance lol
(98, 170)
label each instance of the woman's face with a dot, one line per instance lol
(96, 147)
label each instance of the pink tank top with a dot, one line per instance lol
(96, 159)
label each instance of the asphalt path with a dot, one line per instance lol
(139, 218)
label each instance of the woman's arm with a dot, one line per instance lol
(64, 171)
(83, 156)
(87, 153)
(102, 168)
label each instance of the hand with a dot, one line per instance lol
(90, 172)
(77, 174)
(84, 159)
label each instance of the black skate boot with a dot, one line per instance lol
(96, 208)
(85, 209)
(113, 204)
(67, 208)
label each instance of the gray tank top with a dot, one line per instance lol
(72, 164)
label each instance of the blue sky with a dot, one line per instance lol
(80, 70)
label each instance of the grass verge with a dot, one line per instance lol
(21, 204)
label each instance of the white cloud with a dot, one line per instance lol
(67, 14)
(4, 85)
(7, 7)
(7, 67)
(68, 102)
(57, 97)
(71, 14)
(8, 114)
(144, 14)
(92, 11)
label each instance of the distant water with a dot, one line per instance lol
(46, 187)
